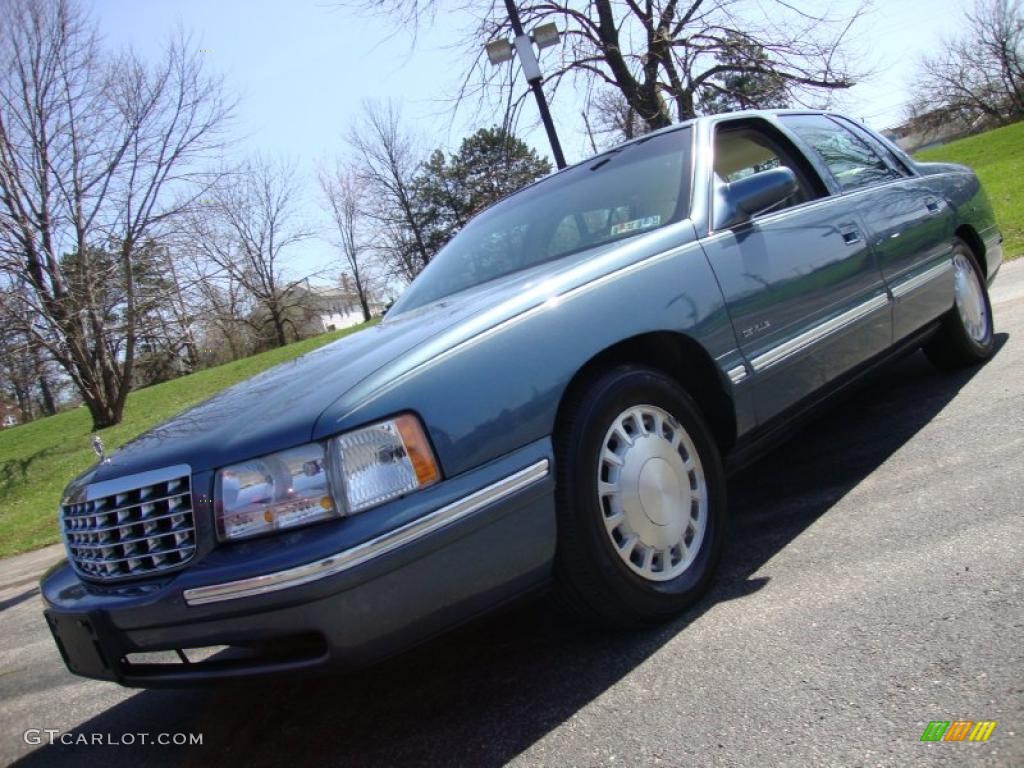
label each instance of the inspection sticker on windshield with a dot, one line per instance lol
(635, 224)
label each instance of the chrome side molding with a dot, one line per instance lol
(901, 289)
(381, 545)
(737, 374)
(817, 333)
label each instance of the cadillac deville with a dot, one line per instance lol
(555, 400)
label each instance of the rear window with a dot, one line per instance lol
(626, 192)
(853, 163)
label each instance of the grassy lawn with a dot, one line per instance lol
(998, 158)
(37, 459)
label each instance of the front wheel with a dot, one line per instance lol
(966, 336)
(641, 500)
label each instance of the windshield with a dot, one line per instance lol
(625, 192)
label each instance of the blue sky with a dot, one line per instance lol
(302, 70)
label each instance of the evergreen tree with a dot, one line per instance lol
(749, 80)
(490, 165)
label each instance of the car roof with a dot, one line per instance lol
(661, 131)
(707, 119)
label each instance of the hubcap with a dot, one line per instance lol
(970, 299)
(652, 492)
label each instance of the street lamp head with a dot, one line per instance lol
(546, 35)
(499, 51)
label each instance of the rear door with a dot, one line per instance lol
(909, 227)
(803, 288)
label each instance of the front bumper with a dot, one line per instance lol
(458, 549)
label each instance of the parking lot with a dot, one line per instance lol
(871, 584)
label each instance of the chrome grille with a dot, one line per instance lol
(119, 529)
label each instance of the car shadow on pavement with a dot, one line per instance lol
(486, 693)
(21, 597)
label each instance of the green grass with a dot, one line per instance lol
(39, 458)
(997, 157)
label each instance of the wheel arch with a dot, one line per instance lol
(969, 235)
(678, 356)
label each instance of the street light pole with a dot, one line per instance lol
(531, 69)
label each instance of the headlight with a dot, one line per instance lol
(383, 461)
(353, 472)
(273, 492)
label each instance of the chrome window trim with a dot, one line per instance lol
(836, 194)
(813, 335)
(912, 283)
(784, 213)
(376, 547)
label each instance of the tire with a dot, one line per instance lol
(594, 576)
(966, 335)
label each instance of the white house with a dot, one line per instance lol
(327, 308)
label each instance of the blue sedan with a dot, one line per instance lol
(556, 400)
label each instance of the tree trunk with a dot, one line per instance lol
(191, 352)
(24, 403)
(100, 395)
(278, 323)
(49, 406)
(104, 414)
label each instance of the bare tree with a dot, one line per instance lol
(47, 386)
(979, 74)
(386, 164)
(96, 153)
(615, 119)
(168, 308)
(181, 305)
(662, 56)
(244, 229)
(17, 371)
(342, 196)
(222, 307)
(26, 373)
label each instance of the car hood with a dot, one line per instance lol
(279, 407)
(282, 406)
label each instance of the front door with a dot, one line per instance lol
(803, 288)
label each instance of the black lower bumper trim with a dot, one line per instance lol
(84, 644)
(286, 654)
(90, 649)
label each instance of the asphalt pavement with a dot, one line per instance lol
(871, 583)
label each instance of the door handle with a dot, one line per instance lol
(851, 236)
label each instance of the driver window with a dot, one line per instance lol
(743, 151)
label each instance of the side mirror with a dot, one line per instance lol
(741, 200)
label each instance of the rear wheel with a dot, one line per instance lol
(641, 499)
(966, 336)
